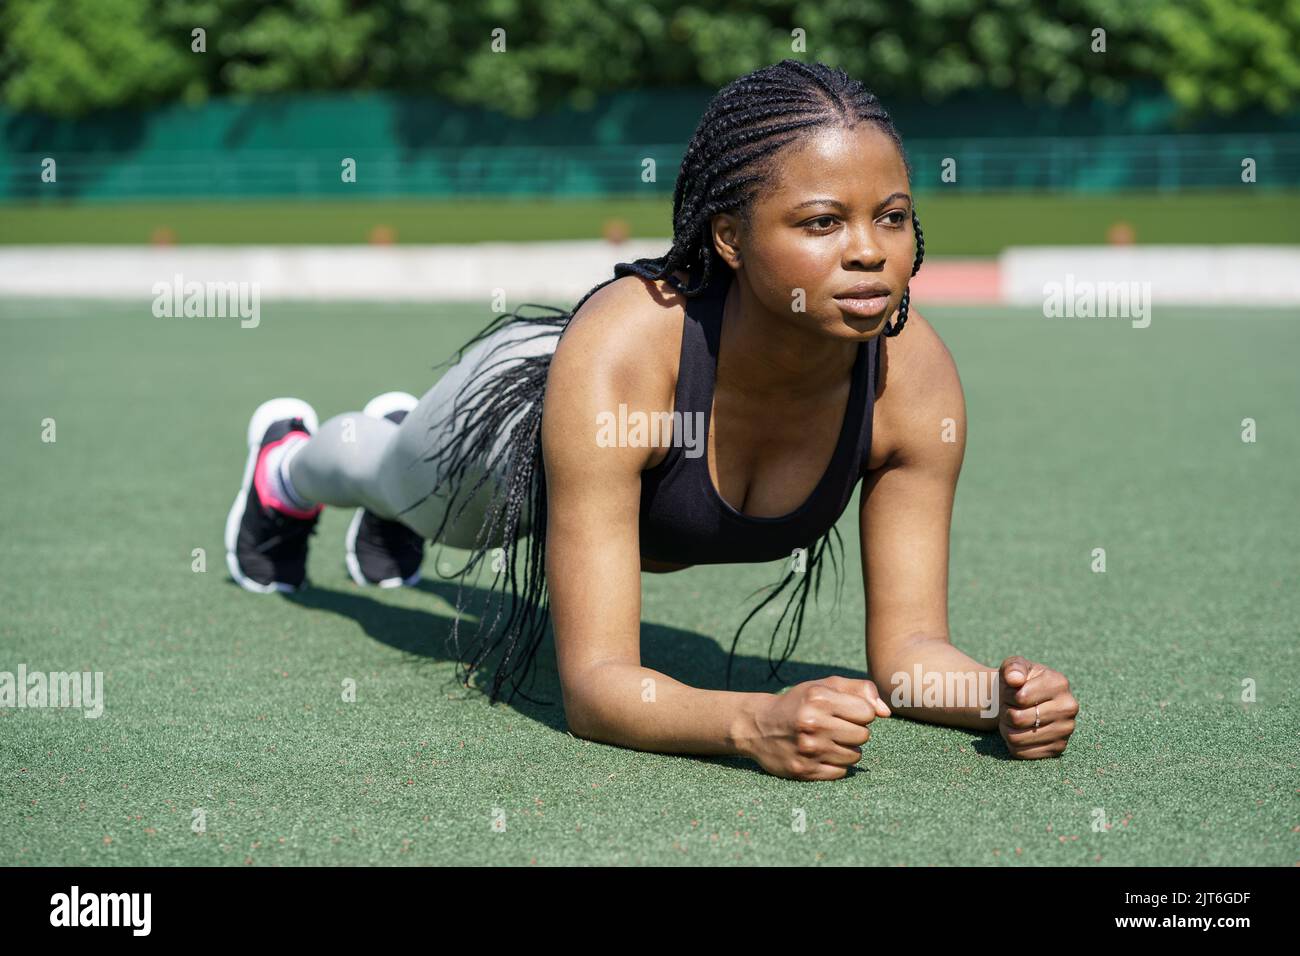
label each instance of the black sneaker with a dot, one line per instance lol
(266, 541)
(378, 550)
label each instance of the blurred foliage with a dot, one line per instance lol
(68, 57)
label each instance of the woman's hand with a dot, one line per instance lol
(1024, 684)
(814, 730)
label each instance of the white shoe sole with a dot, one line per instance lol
(266, 414)
(377, 407)
(381, 405)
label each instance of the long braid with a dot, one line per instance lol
(896, 327)
(731, 157)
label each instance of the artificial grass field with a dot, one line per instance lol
(1082, 434)
(956, 223)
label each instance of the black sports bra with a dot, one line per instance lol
(684, 520)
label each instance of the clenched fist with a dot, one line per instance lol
(1024, 686)
(815, 730)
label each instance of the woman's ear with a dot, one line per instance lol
(726, 236)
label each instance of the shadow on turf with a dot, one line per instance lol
(690, 657)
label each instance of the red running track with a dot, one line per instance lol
(968, 281)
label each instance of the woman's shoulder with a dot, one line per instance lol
(630, 329)
(637, 305)
(918, 387)
(621, 347)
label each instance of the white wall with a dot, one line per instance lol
(560, 273)
(1179, 275)
(555, 272)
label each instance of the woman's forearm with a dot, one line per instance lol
(932, 681)
(637, 707)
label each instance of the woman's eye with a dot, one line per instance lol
(829, 220)
(896, 218)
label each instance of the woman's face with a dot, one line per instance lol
(839, 215)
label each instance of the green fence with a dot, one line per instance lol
(403, 146)
(1166, 163)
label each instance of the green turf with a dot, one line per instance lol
(955, 224)
(1082, 433)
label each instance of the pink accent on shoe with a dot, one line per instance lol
(263, 484)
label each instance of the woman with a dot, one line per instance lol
(760, 336)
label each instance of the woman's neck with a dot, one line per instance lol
(772, 357)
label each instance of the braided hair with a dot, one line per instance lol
(730, 159)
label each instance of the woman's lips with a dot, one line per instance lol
(868, 305)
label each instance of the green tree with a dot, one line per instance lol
(68, 57)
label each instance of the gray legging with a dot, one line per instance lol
(355, 461)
